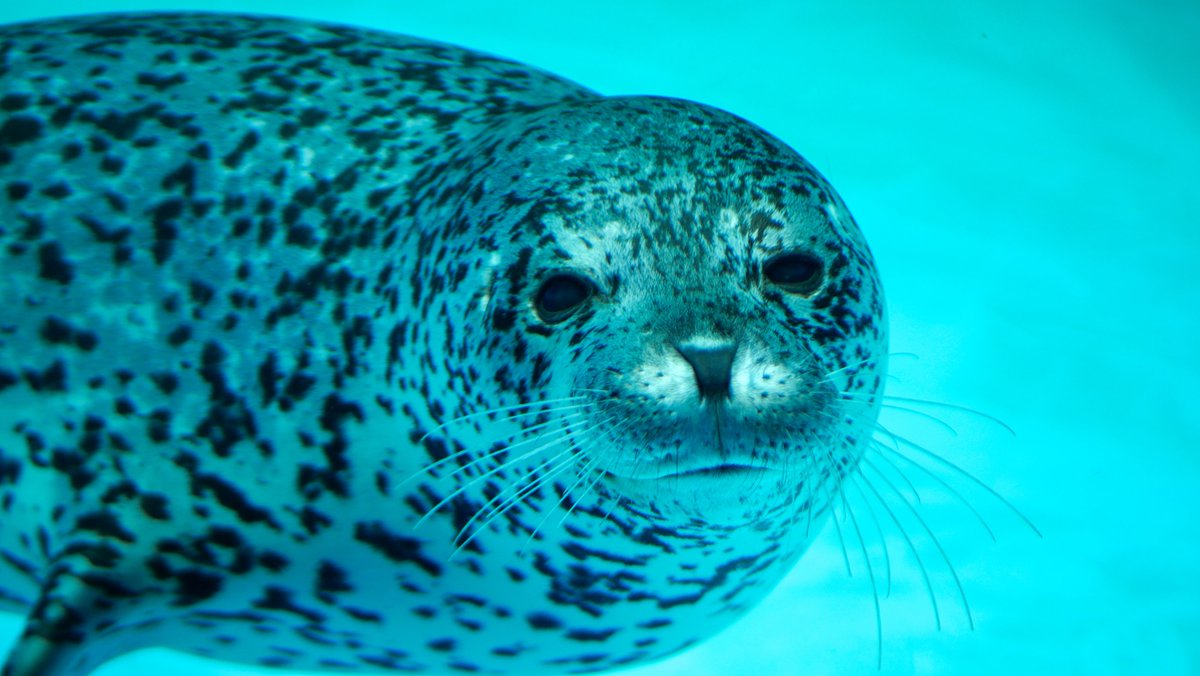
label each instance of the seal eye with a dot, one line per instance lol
(795, 272)
(560, 296)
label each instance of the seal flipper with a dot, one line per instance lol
(60, 636)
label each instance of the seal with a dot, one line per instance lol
(325, 348)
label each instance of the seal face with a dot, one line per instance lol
(331, 349)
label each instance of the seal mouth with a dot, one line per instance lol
(722, 492)
(724, 469)
(719, 471)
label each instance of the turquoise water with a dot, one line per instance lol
(1026, 173)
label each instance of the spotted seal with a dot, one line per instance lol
(326, 348)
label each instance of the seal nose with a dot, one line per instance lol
(713, 365)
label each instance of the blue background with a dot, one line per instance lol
(1026, 171)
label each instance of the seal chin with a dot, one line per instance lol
(728, 493)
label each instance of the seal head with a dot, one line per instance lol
(693, 281)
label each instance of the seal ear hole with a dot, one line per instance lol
(560, 296)
(796, 272)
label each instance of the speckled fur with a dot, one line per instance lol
(249, 263)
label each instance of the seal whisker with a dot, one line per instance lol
(828, 377)
(878, 446)
(575, 502)
(932, 475)
(499, 468)
(616, 501)
(887, 559)
(514, 416)
(862, 544)
(498, 510)
(810, 467)
(944, 556)
(639, 456)
(822, 488)
(506, 498)
(815, 493)
(834, 494)
(433, 466)
(547, 437)
(564, 420)
(961, 472)
(922, 414)
(937, 616)
(842, 543)
(639, 444)
(495, 510)
(583, 475)
(598, 476)
(806, 493)
(933, 404)
(907, 409)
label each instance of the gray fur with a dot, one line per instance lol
(260, 276)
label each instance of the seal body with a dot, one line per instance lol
(331, 349)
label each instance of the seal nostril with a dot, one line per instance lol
(712, 365)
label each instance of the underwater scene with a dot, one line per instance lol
(1025, 174)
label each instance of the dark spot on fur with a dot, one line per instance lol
(543, 621)
(20, 129)
(53, 265)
